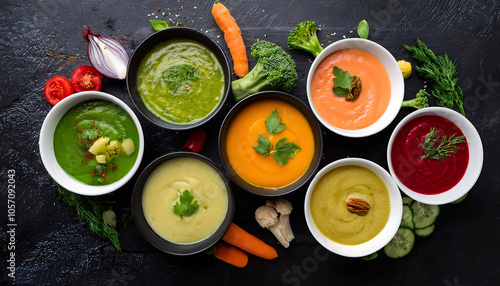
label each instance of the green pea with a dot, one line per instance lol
(363, 29)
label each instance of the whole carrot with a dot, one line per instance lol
(234, 40)
(231, 255)
(249, 243)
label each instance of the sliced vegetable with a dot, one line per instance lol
(401, 244)
(461, 199)
(231, 255)
(249, 243)
(424, 232)
(407, 201)
(195, 141)
(370, 257)
(86, 78)
(234, 40)
(106, 54)
(407, 219)
(57, 88)
(424, 215)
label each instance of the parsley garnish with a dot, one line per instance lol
(283, 149)
(273, 123)
(443, 150)
(185, 207)
(346, 85)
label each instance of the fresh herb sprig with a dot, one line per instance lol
(283, 150)
(346, 85)
(185, 206)
(441, 72)
(159, 25)
(445, 145)
(90, 210)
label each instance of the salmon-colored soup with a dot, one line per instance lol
(372, 101)
(264, 171)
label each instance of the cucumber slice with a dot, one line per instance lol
(407, 219)
(424, 232)
(407, 201)
(460, 199)
(401, 244)
(424, 215)
(370, 257)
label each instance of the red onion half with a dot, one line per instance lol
(106, 54)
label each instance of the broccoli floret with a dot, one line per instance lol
(304, 37)
(420, 101)
(274, 69)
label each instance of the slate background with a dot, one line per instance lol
(40, 39)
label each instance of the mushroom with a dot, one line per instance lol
(275, 217)
(267, 217)
(284, 208)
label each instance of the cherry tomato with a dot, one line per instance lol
(57, 88)
(195, 141)
(86, 78)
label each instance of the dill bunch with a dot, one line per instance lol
(90, 210)
(441, 72)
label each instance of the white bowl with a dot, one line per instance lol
(395, 77)
(46, 144)
(381, 239)
(475, 157)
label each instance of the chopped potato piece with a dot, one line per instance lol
(101, 159)
(113, 149)
(99, 146)
(128, 146)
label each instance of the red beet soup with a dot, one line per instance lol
(425, 175)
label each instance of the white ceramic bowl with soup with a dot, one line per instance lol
(182, 203)
(431, 181)
(48, 143)
(382, 88)
(353, 207)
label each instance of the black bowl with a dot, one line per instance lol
(318, 141)
(160, 37)
(158, 241)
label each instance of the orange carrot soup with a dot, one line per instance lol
(372, 101)
(264, 171)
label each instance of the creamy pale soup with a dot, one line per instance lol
(329, 208)
(163, 190)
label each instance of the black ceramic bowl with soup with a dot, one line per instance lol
(244, 144)
(178, 78)
(152, 223)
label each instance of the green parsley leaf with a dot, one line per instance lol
(264, 146)
(185, 207)
(273, 123)
(159, 25)
(284, 150)
(346, 85)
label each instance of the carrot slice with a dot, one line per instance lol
(249, 243)
(231, 255)
(234, 40)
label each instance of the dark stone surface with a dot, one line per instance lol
(40, 39)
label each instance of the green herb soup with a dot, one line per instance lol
(96, 131)
(181, 81)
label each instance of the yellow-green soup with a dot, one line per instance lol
(162, 191)
(181, 81)
(329, 209)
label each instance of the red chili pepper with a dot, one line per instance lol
(195, 141)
